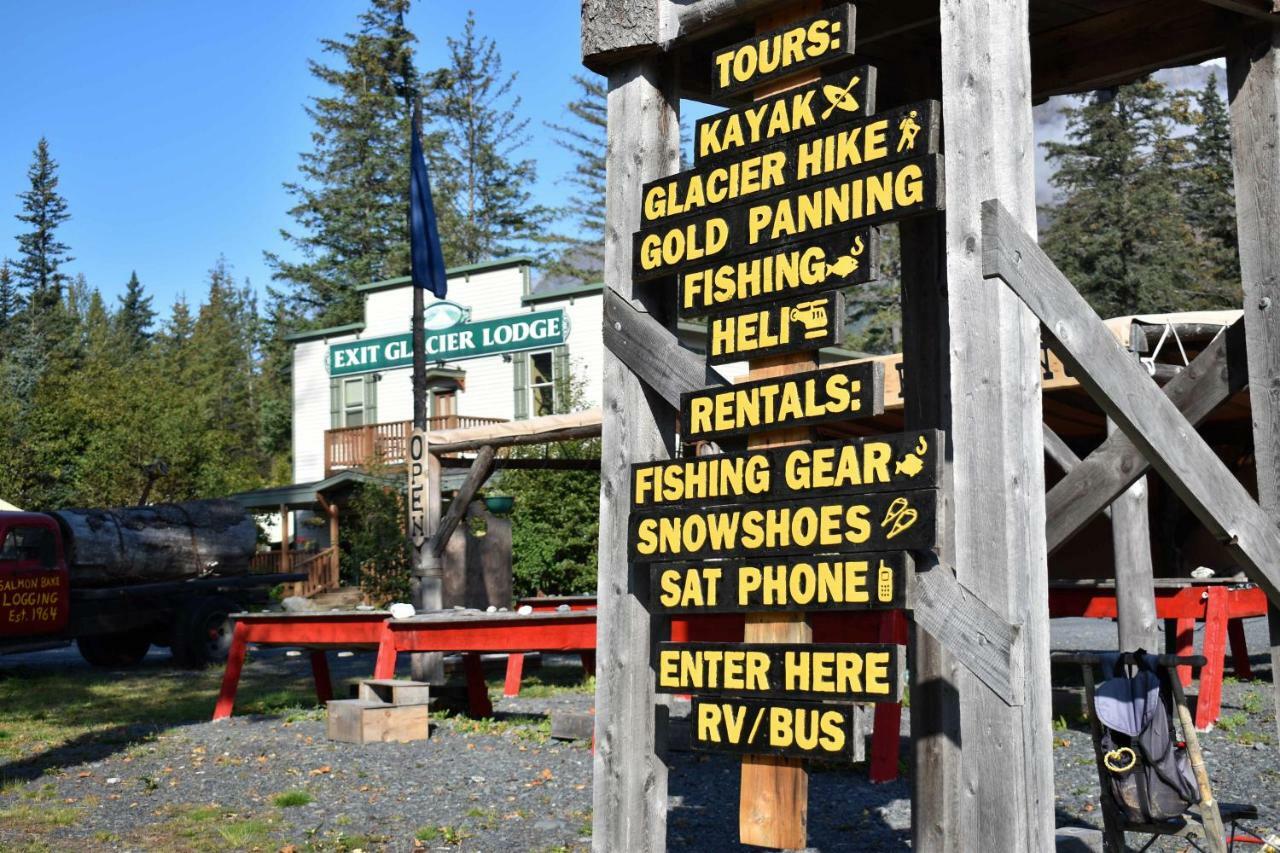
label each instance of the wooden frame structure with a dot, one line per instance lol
(983, 773)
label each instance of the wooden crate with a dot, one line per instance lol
(365, 721)
(395, 692)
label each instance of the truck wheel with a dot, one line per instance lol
(202, 632)
(115, 651)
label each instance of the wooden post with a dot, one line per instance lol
(773, 799)
(1253, 82)
(1001, 788)
(1135, 583)
(629, 792)
(284, 538)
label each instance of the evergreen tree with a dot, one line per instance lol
(41, 254)
(873, 311)
(1118, 233)
(134, 318)
(487, 203)
(10, 304)
(1210, 201)
(580, 255)
(351, 199)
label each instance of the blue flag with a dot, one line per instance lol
(424, 241)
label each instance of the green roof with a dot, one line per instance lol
(451, 272)
(317, 334)
(563, 293)
(301, 495)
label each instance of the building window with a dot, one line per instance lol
(353, 402)
(542, 384)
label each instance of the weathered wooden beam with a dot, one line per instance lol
(1057, 450)
(614, 31)
(527, 464)
(1122, 389)
(995, 437)
(629, 778)
(481, 468)
(653, 352)
(545, 430)
(1135, 583)
(1253, 86)
(1260, 10)
(976, 635)
(1210, 380)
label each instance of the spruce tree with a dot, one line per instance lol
(487, 204)
(135, 316)
(41, 253)
(580, 255)
(1118, 233)
(1210, 201)
(10, 304)
(352, 196)
(873, 311)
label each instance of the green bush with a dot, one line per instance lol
(377, 556)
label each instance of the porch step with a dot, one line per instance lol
(342, 598)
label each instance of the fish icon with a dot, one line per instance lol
(909, 465)
(849, 263)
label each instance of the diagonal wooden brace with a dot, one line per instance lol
(1119, 385)
(481, 468)
(651, 351)
(1210, 380)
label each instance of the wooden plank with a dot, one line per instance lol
(553, 463)
(907, 460)
(1213, 376)
(777, 329)
(1004, 785)
(1135, 584)
(1253, 85)
(1259, 10)
(825, 731)
(481, 468)
(1057, 450)
(652, 352)
(821, 39)
(629, 777)
(852, 672)
(972, 632)
(1120, 386)
(545, 430)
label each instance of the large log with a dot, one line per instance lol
(163, 542)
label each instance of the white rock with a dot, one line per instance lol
(400, 610)
(1202, 573)
(525, 610)
(491, 609)
(297, 604)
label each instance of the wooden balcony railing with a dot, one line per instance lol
(384, 444)
(321, 568)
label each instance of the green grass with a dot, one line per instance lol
(451, 835)
(1251, 702)
(550, 681)
(114, 707)
(289, 799)
(245, 833)
(32, 818)
(535, 728)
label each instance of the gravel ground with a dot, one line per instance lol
(504, 786)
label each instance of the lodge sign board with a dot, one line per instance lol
(832, 260)
(798, 161)
(827, 103)
(773, 727)
(905, 460)
(882, 193)
(778, 584)
(463, 340)
(840, 393)
(798, 325)
(832, 525)
(851, 672)
(808, 43)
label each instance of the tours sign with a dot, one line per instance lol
(808, 43)
(461, 340)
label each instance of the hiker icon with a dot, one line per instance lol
(908, 128)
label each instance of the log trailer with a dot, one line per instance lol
(117, 581)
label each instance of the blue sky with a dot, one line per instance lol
(175, 124)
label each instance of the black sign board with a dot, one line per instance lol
(797, 161)
(829, 102)
(852, 672)
(883, 193)
(839, 393)
(833, 260)
(773, 727)
(832, 525)
(781, 584)
(905, 460)
(799, 325)
(810, 42)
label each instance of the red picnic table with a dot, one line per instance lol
(468, 632)
(1220, 604)
(546, 604)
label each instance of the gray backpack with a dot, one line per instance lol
(1149, 775)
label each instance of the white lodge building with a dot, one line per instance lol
(496, 352)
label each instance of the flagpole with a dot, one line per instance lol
(427, 577)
